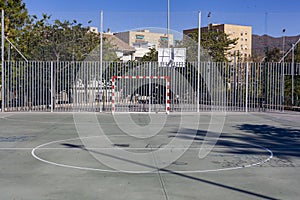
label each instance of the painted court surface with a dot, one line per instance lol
(150, 156)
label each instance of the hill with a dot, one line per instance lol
(260, 43)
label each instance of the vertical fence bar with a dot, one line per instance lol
(101, 61)
(282, 88)
(2, 63)
(52, 86)
(293, 70)
(199, 60)
(247, 90)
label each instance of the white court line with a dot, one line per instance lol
(113, 123)
(142, 172)
(4, 116)
(132, 148)
(126, 148)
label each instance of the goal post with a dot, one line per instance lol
(146, 99)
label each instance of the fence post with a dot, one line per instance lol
(3, 63)
(150, 86)
(101, 62)
(282, 87)
(247, 84)
(52, 87)
(199, 61)
(293, 70)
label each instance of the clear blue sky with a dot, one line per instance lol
(265, 16)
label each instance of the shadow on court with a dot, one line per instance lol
(283, 142)
(182, 175)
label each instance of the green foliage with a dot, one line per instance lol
(273, 56)
(152, 55)
(289, 56)
(288, 90)
(216, 43)
(16, 16)
(297, 53)
(45, 39)
(109, 53)
(62, 40)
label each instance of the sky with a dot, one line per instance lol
(265, 16)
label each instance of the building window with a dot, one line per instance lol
(164, 38)
(139, 37)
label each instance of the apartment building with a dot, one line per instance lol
(243, 48)
(142, 40)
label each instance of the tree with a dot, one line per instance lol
(216, 43)
(152, 55)
(274, 55)
(16, 16)
(60, 41)
(297, 53)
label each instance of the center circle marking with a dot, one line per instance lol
(33, 153)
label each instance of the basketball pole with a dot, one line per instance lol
(168, 24)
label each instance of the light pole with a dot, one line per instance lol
(168, 23)
(208, 20)
(282, 82)
(101, 60)
(283, 42)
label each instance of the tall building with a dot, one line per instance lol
(142, 40)
(243, 48)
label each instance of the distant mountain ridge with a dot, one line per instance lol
(259, 43)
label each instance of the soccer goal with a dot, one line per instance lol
(140, 94)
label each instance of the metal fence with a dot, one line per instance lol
(142, 86)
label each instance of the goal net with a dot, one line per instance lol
(140, 94)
